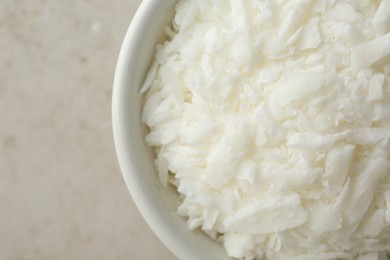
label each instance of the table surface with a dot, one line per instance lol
(62, 195)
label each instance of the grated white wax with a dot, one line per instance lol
(272, 119)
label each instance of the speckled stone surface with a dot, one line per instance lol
(61, 192)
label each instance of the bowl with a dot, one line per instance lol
(156, 203)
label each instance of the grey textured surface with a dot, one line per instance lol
(61, 192)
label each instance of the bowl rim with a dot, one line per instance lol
(158, 213)
(156, 222)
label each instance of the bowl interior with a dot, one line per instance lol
(156, 203)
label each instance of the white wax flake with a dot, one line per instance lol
(272, 128)
(150, 77)
(162, 168)
(374, 226)
(268, 216)
(337, 164)
(342, 11)
(194, 223)
(264, 14)
(211, 39)
(362, 193)
(297, 88)
(313, 58)
(272, 121)
(311, 36)
(367, 54)
(162, 135)
(238, 245)
(381, 19)
(186, 14)
(319, 6)
(291, 23)
(375, 91)
(367, 135)
(247, 171)
(268, 75)
(261, 137)
(210, 217)
(323, 217)
(222, 163)
(241, 14)
(273, 46)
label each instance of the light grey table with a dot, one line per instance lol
(61, 192)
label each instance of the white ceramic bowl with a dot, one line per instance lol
(156, 203)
